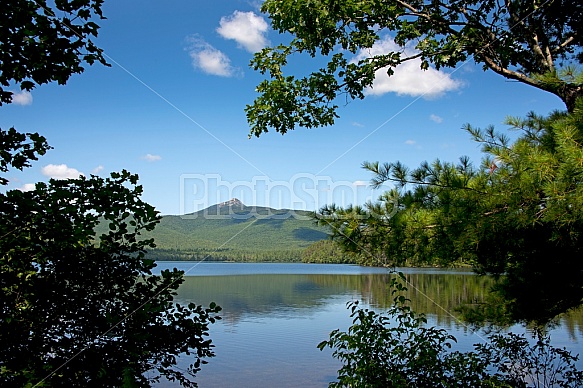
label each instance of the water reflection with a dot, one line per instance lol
(255, 296)
(432, 292)
(273, 321)
(239, 295)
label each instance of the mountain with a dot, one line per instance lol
(233, 231)
(235, 209)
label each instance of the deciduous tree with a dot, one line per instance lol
(399, 349)
(42, 43)
(534, 42)
(77, 307)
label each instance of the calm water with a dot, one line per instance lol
(274, 315)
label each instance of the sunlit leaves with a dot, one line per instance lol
(534, 44)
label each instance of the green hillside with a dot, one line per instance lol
(233, 231)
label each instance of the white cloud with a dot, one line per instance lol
(97, 169)
(357, 124)
(60, 171)
(208, 59)
(27, 187)
(246, 28)
(22, 98)
(436, 118)
(408, 78)
(410, 142)
(152, 158)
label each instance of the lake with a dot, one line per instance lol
(274, 315)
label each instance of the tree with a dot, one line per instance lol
(519, 215)
(40, 44)
(326, 251)
(397, 349)
(17, 150)
(533, 42)
(79, 308)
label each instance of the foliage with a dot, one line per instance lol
(41, 44)
(519, 215)
(326, 251)
(259, 255)
(397, 349)
(38, 45)
(398, 230)
(79, 309)
(18, 149)
(535, 42)
(256, 234)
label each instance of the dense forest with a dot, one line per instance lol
(226, 254)
(227, 232)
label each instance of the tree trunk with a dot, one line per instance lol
(569, 93)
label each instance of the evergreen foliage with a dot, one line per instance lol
(259, 255)
(327, 252)
(518, 215)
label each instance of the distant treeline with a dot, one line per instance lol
(328, 252)
(324, 251)
(226, 254)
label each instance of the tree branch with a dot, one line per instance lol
(565, 43)
(510, 73)
(409, 7)
(422, 183)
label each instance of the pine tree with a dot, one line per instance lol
(518, 215)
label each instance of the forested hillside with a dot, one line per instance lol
(235, 232)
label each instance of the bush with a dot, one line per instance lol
(397, 349)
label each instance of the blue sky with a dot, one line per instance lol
(171, 109)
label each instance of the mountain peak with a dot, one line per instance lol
(231, 202)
